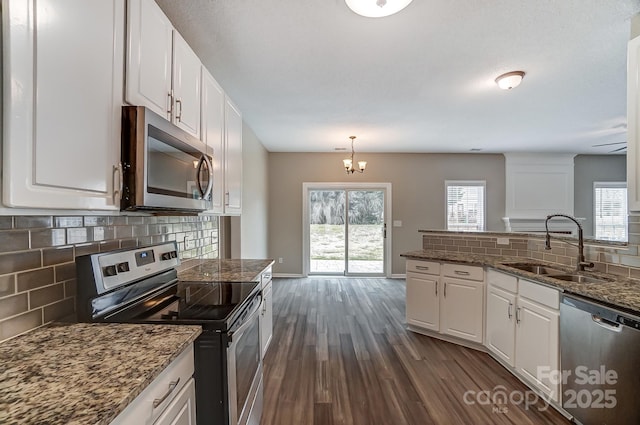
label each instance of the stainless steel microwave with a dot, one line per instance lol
(163, 167)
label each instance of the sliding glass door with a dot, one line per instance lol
(346, 231)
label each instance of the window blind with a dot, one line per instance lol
(465, 205)
(610, 210)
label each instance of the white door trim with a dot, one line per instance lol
(307, 186)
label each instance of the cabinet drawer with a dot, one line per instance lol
(141, 410)
(539, 293)
(461, 271)
(502, 280)
(425, 267)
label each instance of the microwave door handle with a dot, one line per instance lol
(210, 185)
(198, 170)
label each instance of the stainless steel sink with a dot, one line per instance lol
(579, 278)
(535, 268)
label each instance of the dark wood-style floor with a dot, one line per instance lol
(340, 354)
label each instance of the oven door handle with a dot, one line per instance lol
(246, 322)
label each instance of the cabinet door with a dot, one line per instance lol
(213, 134)
(266, 319)
(423, 307)
(149, 43)
(186, 86)
(501, 324)
(633, 124)
(63, 71)
(462, 305)
(537, 344)
(233, 158)
(182, 410)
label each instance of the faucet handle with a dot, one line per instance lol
(589, 264)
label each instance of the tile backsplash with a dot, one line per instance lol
(617, 260)
(37, 254)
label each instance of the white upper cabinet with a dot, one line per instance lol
(233, 158)
(213, 135)
(163, 73)
(186, 86)
(63, 74)
(149, 57)
(633, 123)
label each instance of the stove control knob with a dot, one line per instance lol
(109, 271)
(168, 255)
(123, 267)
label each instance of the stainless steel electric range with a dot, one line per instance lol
(140, 285)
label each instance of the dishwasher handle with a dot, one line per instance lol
(607, 324)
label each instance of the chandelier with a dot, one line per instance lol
(348, 163)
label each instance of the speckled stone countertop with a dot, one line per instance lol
(83, 373)
(223, 270)
(619, 291)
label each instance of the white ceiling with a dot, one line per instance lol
(307, 74)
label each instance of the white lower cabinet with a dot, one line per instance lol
(169, 399)
(182, 410)
(266, 318)
(501, 323)
(461, 309)
(537, 345)
(522, 328)
(423, 302)
(439, 302)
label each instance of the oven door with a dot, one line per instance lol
(244, 371)
(164, 168)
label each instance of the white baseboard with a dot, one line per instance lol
(294, 275)
(399, 276)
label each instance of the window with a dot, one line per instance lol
(610, 210)
(465, 205)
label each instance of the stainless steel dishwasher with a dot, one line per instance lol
(600, 360)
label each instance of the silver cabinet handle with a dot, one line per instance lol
(422, 268)
(445, 289)
(264, 306)
(462, 273)
(172, 386)
(179, 110)
(509, 310)
(518, 315)
(226, 202)
(436, 288)
(117, 169)
(170, 108)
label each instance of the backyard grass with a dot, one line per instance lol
(365, 242)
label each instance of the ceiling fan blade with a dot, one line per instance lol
(608, 144)
(624, 148)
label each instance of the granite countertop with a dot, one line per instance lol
(620, 291)
(83, 373)
(222, 270)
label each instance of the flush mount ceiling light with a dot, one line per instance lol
(348, 163)
(510, 80)
(377, 8)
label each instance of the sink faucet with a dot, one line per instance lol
(581, 263)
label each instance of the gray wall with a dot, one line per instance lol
(589, 169)
(417, 186)
(255, 190)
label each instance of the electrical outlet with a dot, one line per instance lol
(502, 241)
(280, 260)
